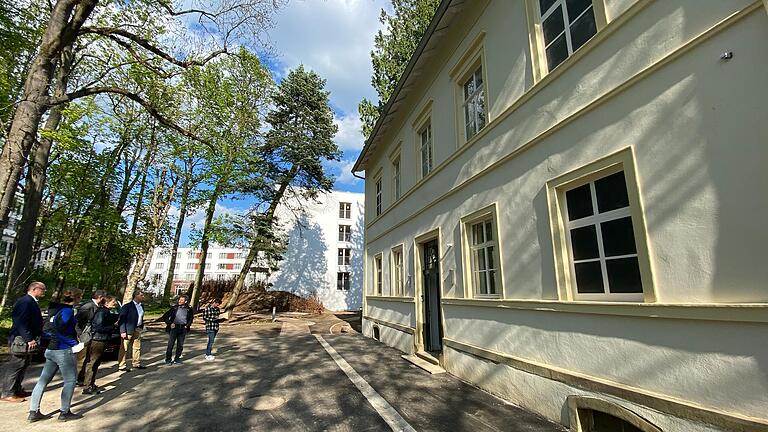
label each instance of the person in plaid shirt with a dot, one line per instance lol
(211, 318)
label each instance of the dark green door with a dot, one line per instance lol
(433, 330)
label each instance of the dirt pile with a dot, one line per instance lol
(264, 301)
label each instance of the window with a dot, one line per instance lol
(191, 266)
(176, 266)
(345, 210)
(222, 266)
(191, 254)
(209, 255)
(378, 195)
(159, 266)
(344, 256)
(342, 281)
(377, 284)
(601, 237)
(239, 255)
(425, 138)
(397, 271)
(219, 276)
(474, 104)
(178, 255)
(345, 233)
(483, 257)
(565, 25)
(189, 276)
(396, 177)
(222, 255)
(237, 266)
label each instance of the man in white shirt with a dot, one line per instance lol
(131, 324)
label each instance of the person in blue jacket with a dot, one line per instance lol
(59, 357)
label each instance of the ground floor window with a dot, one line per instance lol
(482, 253)
(342, 281)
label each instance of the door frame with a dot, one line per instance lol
(418, 283)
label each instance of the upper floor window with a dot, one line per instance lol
(345, 233)
(396, 177)
(345, 255)
(159, 265)
(474, 103)
(239, 255)
(345, 210)
(222, 255)
(566, 25)
(379, 193)
(426, 150)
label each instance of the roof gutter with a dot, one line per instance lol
(403, 78)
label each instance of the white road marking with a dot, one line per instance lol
(385, 410)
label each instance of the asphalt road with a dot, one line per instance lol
(276, 377)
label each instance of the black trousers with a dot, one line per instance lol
(177, 336)
(13, 374)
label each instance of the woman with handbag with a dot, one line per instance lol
(59, 357)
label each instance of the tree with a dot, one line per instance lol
(299, 141)
(393, 48)
(121, 35)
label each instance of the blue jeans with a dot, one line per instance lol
(211, 337)
(55, 360)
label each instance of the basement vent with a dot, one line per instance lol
(376, 334)
(590, 414)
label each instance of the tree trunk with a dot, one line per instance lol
(261, 232)
(185, 192)
(19, 274)
(161, 203)
(197, 288)
(66, 19)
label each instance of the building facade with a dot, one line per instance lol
(8, 237)
(323, 256)
(565, 209)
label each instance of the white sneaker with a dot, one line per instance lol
(210, 357)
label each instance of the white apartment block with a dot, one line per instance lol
(8, 238)
(567, 207)
(323, 256)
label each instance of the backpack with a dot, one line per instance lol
(51, 325)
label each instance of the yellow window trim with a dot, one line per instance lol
(624, 160)
(466, 256)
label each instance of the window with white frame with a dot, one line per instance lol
(566, 25)
(397, 271)
(222, 255)
(191, 254)
(345, 233)
(396, 177)
(377, 275)
(474, 104)
(237, 266)
(484, 258)
(159, 266)
(189, 276)
(342, 281)
(345, 210)
(190, 266)
(425, 149)
(209, 255)
(379, 193)
(177, 266)
(239, 255)
(222, 266)
(601, 239)
(345, 255)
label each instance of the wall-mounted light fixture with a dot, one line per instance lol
(726, 56)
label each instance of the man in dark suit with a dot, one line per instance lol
(85, 314)
(28, 324)
(131, 324)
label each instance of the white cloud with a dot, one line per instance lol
(334, 38)
(349, 138)
(343, 172)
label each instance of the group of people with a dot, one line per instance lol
(79, 337)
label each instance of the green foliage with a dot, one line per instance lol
(393, 48)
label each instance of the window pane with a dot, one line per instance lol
(469, 118)
(557, 52)
(480, 259)
(483, 287)
(576, 7)
(489, 231)
(490, 257)
(545, 5)
(618, 237)
(584, 243)
(491, 282)
(469, 88)
(477, 234)
(583, 29)
(589, 277)
(579, 202)
(478, 77)
(624, 275)
(480, 109)
(553, 26)
(611, 192)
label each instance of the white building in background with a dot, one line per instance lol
(8, 238)
(324, 255)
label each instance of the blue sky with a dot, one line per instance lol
(333, 38)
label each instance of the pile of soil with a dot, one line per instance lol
(263, 301)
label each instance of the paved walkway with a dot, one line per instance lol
(295, 381)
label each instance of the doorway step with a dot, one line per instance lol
(428, 366)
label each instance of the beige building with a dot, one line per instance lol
(564, 207)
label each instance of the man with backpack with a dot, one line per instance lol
(84, 329)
